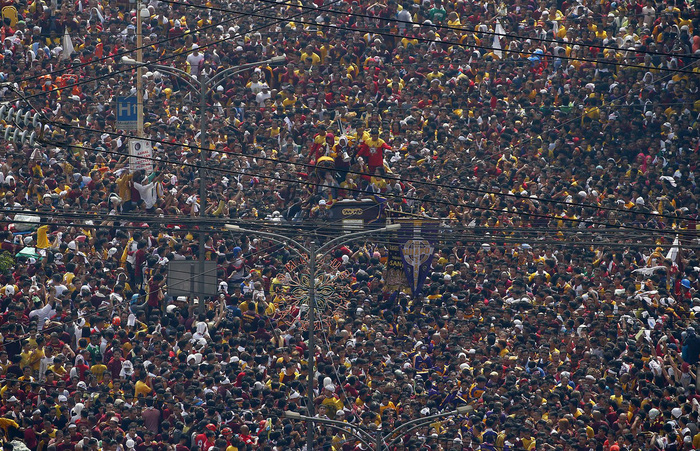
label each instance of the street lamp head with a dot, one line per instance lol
(277, 61)
(392, 227)
(292, 415)
(130, 61)
(463, 410)
(232, 227)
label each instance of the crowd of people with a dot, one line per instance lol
(556, 143)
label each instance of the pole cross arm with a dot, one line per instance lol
(340, 425)
(420, 422)
(323, 249)
(217, 77)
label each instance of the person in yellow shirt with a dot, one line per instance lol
(37, 355)
(435, 73)
(142, 388)
(98, 370)
(42, 239)
(309, 53)
(25, 355)
(57, 368)
(331, 401)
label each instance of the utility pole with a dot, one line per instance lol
(139, 71)
(202, 182)
(312, 344)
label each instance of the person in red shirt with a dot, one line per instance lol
(245, 436)
(373, 150)
(205, 440)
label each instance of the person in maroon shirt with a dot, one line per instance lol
(139, 261)
(67, 443)
(151, 416)
(115, 363)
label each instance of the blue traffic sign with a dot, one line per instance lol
(127, 115)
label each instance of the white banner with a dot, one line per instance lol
(141, 154)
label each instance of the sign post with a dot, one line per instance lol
(140, 155)
(417, 240)
(127, 113)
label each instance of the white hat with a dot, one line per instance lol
(653, 413)
(676, 412)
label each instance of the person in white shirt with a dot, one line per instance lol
(150, 192)
(42, 312)
(195, 60)
(263, 95)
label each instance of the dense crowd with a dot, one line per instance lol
(556, 142)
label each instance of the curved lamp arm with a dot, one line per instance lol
(274, 61)
(279, 238)
(276, 237)
(420, 422)
(345, 427)
(181, 74)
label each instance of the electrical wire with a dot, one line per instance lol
(450, 28)
(462, 188)
(389, 176)
(164, 58)
(127, 52)
(482, 233)
(582, 205)
(80, 82)
(98, 312)
(420, 39)
(432, 184)
(433, 201)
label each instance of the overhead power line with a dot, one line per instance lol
(416, 199)
(453, 28)
(394, 178)
(421, 39)
(168, 57)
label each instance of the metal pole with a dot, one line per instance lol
(312, 344)
(139, 71)
(202, 183)
(380, 442)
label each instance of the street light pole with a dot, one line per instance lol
(139, 71)
(202, 183)
(312, 252)
(312, 342)
(204, 87)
